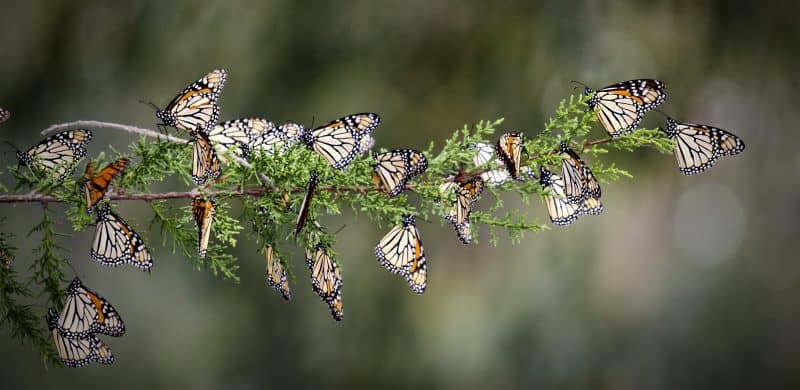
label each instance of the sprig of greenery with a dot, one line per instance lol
(271, 187)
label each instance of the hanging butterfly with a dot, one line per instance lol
(697, 147)
(115, 243)
(579, 181)
(77, 352)
(326, 279)
(302, 216)
(620, 107)
(205, 164)
(96, 185)
(466, 195)
(57, 154)
(239, 135)
(203, 212)
(4, 114)
(561, 211)
(86, 312)
(401, 252)
(339, 142)
(395, 168)
(196, 109)
(509, 149)
(276, 274)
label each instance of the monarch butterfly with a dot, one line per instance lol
(77, 352)
(203, 212)
(395, 168)
(401, 252)
(86, 312)
(579, 181)
(339, 142)
(95, 186)
(115, 243)
(196, 109)
(205, 164)
(278, 139)
(57, 154)
(326, 280)
(561, 211)
(509, 148)
(466, 195)
(302, 216)
(484, 154)
(4, 114)
(697, 147)
(620, 107)
(276, 275)
(239, 135)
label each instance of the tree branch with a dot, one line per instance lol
(36, 197)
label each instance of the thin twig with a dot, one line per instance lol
(113, 126)
(140, 131)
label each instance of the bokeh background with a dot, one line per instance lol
(683, 282)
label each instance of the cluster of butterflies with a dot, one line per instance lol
(570, 193)
(74, 329)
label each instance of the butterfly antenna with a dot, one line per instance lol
(151, 104)
(339, 229)
(579, 84)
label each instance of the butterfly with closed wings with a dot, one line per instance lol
(195, 108)
(276, 274)
(563, 212)
(339, 142)
(96, 185)
(620, 107)
(115, 243)
(466, 195)
(203, 213)
(57, 154)
(86, 312)
(579, 181)
(698, 147)
(205, 164)
(239, 136)
(80, 351)
(395, 168)
(326, 279)
(401, 252)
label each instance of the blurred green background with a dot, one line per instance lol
(683, 282)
